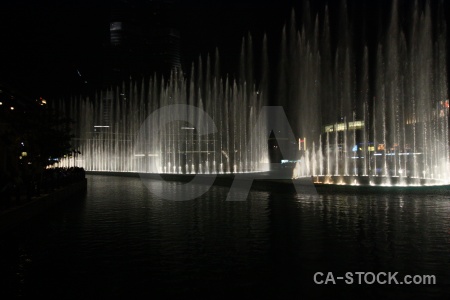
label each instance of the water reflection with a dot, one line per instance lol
(122, 240)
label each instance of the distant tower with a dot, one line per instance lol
(161, 37)
(142, 40)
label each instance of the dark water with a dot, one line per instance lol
(121, 241)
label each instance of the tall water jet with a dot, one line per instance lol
(375, 110)
(388, 116)
(108, 140)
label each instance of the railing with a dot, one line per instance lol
(17, 191)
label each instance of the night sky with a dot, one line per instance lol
(44, 43)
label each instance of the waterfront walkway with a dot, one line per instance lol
(23, 205)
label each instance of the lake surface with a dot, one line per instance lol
(119, 240)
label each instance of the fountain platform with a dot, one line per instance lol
(320, 184)
(377, 180)
(379, 184)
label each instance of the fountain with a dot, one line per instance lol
(372, 115)
(108, 135)
(381, 113)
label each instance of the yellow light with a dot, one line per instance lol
(24, 154)
(1, 103)
(12, 108)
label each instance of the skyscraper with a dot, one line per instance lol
(142, 40)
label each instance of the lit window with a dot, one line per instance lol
(356, 125)
(341, 127)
